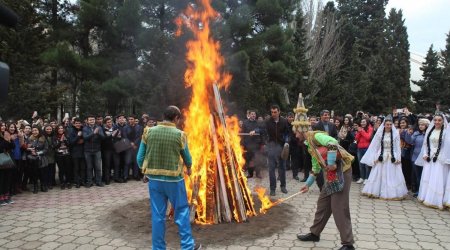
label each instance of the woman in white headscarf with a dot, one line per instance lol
(386, 180)
(434, 157)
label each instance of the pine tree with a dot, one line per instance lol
(56, 20)
(363, 38)
(301, 64)
(20, 48)
(431, 87)
(396, 58)
(389, 69)
(445, 61)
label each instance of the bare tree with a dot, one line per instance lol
(324, 50)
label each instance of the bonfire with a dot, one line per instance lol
(217, 190)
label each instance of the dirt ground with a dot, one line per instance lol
(132, 222)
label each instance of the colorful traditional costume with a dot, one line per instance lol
(334, 197)
(436, 146)
(386, 180)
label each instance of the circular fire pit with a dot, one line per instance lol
(131, 222)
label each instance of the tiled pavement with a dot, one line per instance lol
(74, 219)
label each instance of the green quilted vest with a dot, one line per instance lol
(162, 157)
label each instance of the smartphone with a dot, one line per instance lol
(399, 111)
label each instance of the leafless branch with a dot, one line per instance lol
(324, 50)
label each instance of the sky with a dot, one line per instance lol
(427, 22)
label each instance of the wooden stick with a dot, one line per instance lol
(237, 190)
(248, 134)
(193, 207)
(223, 189)
(217, 196)
(287, 198)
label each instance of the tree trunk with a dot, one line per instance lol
(162, 13)
(54, 72)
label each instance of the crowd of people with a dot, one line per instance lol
(394, 154)
(96, 150)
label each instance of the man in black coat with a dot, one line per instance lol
(277, 131)
(252, 144)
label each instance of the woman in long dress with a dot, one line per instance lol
(434, 158)
(386, 179)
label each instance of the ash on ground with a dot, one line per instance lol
(131, 222)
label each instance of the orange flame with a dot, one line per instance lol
(210, 140)
(266, 203)
(204, 68)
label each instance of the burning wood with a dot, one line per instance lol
(193, 202)
(218, 190)
(266, 203)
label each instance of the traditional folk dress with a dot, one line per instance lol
(334, 197)
(447, 189)
(386, 180)
(435, 173)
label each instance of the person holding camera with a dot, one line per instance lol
(37, 149)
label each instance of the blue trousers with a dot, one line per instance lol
(364, 170)
(175, 192)
(93, 161)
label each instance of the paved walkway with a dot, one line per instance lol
(78, 219)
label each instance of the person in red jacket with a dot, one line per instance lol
(362, 138)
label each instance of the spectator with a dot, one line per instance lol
(416, 138)
(362, 138)
(63, 159)
(93, 136)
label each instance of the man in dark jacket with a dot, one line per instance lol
(93, 136)
(325, 125)
(110, 157)
(252, 144)
(277, 130)
(77, 152)
(124, 156)
(294, 162)
(133, 131)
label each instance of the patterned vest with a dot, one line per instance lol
(164, 143)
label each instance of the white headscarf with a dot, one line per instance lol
(374, 150)
(444, 153)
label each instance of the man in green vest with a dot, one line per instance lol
(162, 154)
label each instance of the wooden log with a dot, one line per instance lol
(193, 207)
(246, 192)
(211, 213)
(217, 196)
(223, 189)
(240, 206)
